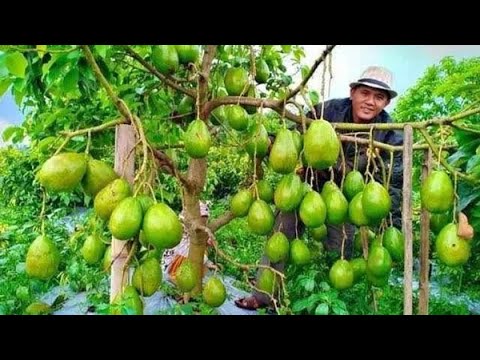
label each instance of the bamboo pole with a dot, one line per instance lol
(424, 243)
(125, 167)
(407, 218)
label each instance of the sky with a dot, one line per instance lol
(407, 62)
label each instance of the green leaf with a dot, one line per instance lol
(339, 308)
(467, 194)
(15, 133)
(314, 97)
(3, 67)
(305, 70)
(4, 85)
(8, 133)
(301, 304)
(70, 82)
(16, 64)
(473, 162)
(286, 48)
(101, 50)
(322, 309)
(42, 49)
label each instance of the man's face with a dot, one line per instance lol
(367, 103)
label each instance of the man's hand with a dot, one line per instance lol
(465, 230)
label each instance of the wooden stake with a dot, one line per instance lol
(424, 243)
(407, 218)
(125, 167)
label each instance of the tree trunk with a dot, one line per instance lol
(407, 219)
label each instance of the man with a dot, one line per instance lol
(368, 98)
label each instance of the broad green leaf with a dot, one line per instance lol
(8, 133)
(301, 304)
(3, 67)
(314, 97)
(322, 309)
(16, 64)
(70, 82)
(467, 194)
(42, 49)
(4, 85)
(339, 308)
(101, 50)
(286, 48)
(472, 163)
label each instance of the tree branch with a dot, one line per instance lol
(167, 164)
(221, 221)
(322, 58)
(166, 79)
(208, 57)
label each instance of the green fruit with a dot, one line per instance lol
(162, 227)
(319, 233)
(379, 281)
(355, 211)
(299, 252)
(187, 106)
(127, 303)
(236, 81)
(126, 219)
(43, 258)
(437, 192)
(328, 187)
(379, 262)
(313, 210)
(376, 201)
(260, 218)
(147, 277)
(62, 172)
(277, 247)
(188, 53)
(197, 139)
(267, 281)
(358, 239)
(107, 259)
(258, 142)
(289, 193)
(252, 93)
(165, 58)
(38, 308)
(93, 249)
(110, 196)
(283, 155)
(186, 276)
(451, 249)
(393, 240)
(98, 175)
(237, 117)
(145, 201)
(262, 71)
(47, 144)
(214, 292)
(341, 275)
(297, 140)
(321, 145)
(241, 202)
(265, 191)
(337, 207)
(359, 267)
(439, 221)
(218, 116)
(353, 184)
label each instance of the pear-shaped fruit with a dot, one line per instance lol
(376, 202)
(358, 239)
(359, 267)
(321, 145)
(451, 249)
(127, 303)
(327, 188)
(107, 259)
(126, 219)
(260, 218)
(265, 191)
(110, 196)
(147, 277)
(267, 281)
(241, 202)
(186, 107)
(43, 258)
(313, 210)
(258, 142)
(186, 277)
(289, 193)
(98, 175)
(214, 292)
(283, 155)
(379, 261)
(197, 139)
(165, 58)
(353, 184)
(237, 117)
(162, 227)
(437, 192)
(62, 172)
(236, 81)
(297, 140)
(188, 53)
(93, 249)
(277, 247)
(319, 233)
(337, 207)
(355, 211)
(38, 308)
(341, 275)
(299, 252)
(439, 221)
(376, 280)
(393, 240)
(262, 71)
(145, 201)
(252, 93)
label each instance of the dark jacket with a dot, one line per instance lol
(340, 110)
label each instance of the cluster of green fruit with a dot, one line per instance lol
(437, 195)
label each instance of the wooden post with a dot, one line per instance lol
(424, 242)
(407, 218)
(124, 167)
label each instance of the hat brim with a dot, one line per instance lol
(391, 92)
